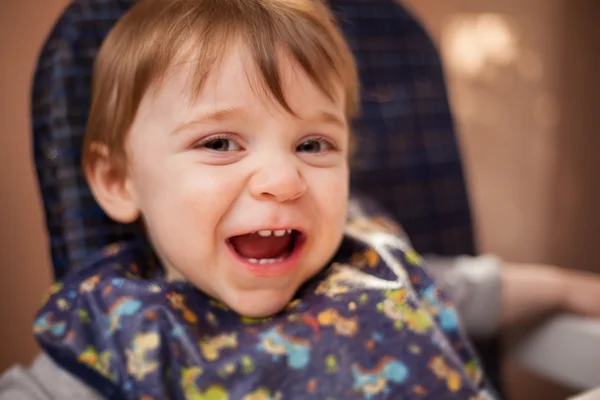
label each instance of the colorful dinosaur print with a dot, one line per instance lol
(331, 364)
(63, 304)
(211, 346)
(247, 364)
(89, 284)
(189, 375)
(137, 364)
(212, 319)
(297, 350)
(254, 321)
(262, 394)
(83, 315)
(413, 257)
(227, 370)
(124, 307)
(442, 310)
(99, 362)
(336, 284)
(396, 308)
(44, 324)
(367, 258)
(375, 381)
(191, 391)
(343, 326)
(442, 371)
(55, 288)
(292, 305)
(474, 371)
(178, 303)
(154, 288)
(112, 250)
(307, 319)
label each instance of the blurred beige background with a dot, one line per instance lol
(523, 85)
(24, 256)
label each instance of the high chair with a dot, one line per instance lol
(407, 157)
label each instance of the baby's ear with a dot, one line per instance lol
(111, 187)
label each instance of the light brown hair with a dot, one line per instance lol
(144, 44)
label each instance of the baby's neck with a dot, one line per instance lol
(172, 275)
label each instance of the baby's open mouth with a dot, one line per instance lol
(266, 246)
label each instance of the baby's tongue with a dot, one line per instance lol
(258, 247)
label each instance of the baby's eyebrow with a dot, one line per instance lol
(240, 114)
(226, 114)
(327, 117)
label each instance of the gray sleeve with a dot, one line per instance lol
(43, 381)
(18, 384)
(474, 284)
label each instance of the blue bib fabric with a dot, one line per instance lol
(372, 325)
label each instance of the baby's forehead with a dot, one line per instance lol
(234, 78)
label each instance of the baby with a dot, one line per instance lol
(223, 128)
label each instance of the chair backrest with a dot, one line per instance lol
(408, 158)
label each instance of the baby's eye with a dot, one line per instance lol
(220, 144)
(317, 145)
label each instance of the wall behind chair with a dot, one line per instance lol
(501, 60)
(523, 85)
(522, 79)
(24, 257)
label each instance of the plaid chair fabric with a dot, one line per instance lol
(407, 159)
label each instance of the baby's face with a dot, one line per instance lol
(240, 197)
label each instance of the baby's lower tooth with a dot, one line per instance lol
(263, 261)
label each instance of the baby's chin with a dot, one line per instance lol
(258, 304)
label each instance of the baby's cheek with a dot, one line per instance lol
(172, 213)
(202, 204)
(331, 215)
(335, 209)
(333, 198)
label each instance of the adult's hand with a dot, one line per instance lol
(530, 290)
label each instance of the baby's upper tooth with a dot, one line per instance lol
(265, 233)
(280, 233)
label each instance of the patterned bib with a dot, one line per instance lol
(372, 325)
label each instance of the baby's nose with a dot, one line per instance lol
(279, 179)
